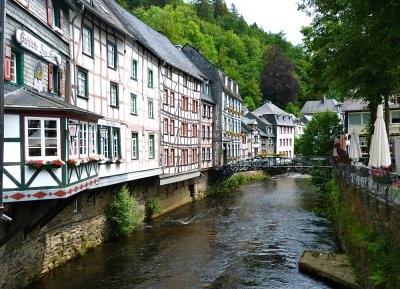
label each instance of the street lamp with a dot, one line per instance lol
(73, 130)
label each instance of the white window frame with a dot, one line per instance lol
(82, 83)
(87, 41)
(134, 69)
(150, 77)
(112, 55)
(150, 106)
(43, 138)
(114, 94)
(13, 68)
(133, 104)
(152, 146)
(135, 146)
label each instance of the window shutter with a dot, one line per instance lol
(61, 20)
(50, 12)
(7, 62)
(50, 83)
(60, 82)
(7, 68)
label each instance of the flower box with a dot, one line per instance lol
(39, 164)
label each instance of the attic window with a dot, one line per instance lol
(102, 7)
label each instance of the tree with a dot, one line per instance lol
(319, 134)
(278, 83)
(354, 48)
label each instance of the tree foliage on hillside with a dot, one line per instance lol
(278, 83)
(224, 38)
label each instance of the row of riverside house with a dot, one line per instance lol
(95, 98)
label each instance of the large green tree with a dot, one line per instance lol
(355, 48)
(319, 135)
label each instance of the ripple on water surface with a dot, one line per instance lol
(251, 240)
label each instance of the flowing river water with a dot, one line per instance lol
(252, 239)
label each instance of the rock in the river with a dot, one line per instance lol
(333, 267)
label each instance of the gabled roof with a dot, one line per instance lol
(281, 120)
(154, 41)
(261, 123)
(354, 105)
(269, 108)
(316, 106)
(246, 128)
(26, 99)
(248, 121)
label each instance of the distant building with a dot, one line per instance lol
(325, 104)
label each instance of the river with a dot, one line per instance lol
(250, 240)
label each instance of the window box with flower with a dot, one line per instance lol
(43, 164)
(381, 177)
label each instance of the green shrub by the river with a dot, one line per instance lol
(233, 182)
(152, 207)
(381, 258)
(124, 213)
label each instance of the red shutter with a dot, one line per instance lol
(7, 68)
(50, 12)
(60, 82)
(50, 83)
(61, 20)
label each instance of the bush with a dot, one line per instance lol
(152, 207)
(124, 213)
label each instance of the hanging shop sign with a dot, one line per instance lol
(31, 43)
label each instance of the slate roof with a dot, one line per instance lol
(315, 106)
(248, 121)
(269, 108)
(157, 43)
(101, 10)
(354, 105)
(281, 120)
(262, 123)
(206, 97)
(246, 128)
(17, 98)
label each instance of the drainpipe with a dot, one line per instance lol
(2, 32)
(73, 50)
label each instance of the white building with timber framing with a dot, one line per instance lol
(115, 76)
(180, 108)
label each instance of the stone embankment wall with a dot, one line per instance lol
(382, 218)
(74, 227)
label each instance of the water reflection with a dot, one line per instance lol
(251, 240)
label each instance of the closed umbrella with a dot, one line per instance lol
(379, 152)
(355, 150)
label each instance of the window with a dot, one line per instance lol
(133, 104)
(83, 139)
(13, 65)
(92, 199)
(135, 146)
(82, 87)
(165, 125)
(172, 98)
(355, 119)
(185, 129)
(195, 107)
(207, 88)
(55, 16)
(113, 94)
(185, 81)
(208, 154)
(185, 102)
(203, 154)
(204, 110)
(172, 157)
(165, 96)
(185, 157)
(209, 132)
(172, 127)
(42, 136)
(104, 142)
(111, 55)
(166, 157)
(194, 132)
(87, 41)
(395, 116)
(150, 82)
(203, 131)
(151, 146)
(194, 155)
(134, 69)
(116, 144)
(169, 71)
(150, 106)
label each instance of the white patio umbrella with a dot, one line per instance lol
(379, 153)
(355, 150)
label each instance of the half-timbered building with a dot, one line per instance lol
(115, 76)
(37, 116)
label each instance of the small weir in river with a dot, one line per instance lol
(252, 239)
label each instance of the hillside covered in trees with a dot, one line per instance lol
(246, 53)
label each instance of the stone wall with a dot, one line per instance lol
(73, 226)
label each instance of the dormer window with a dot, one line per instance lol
(55, 16)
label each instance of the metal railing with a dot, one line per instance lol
(384, 186)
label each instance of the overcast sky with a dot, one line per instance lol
(274, 16)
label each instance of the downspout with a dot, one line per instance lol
(2, 33)
(73, 50)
